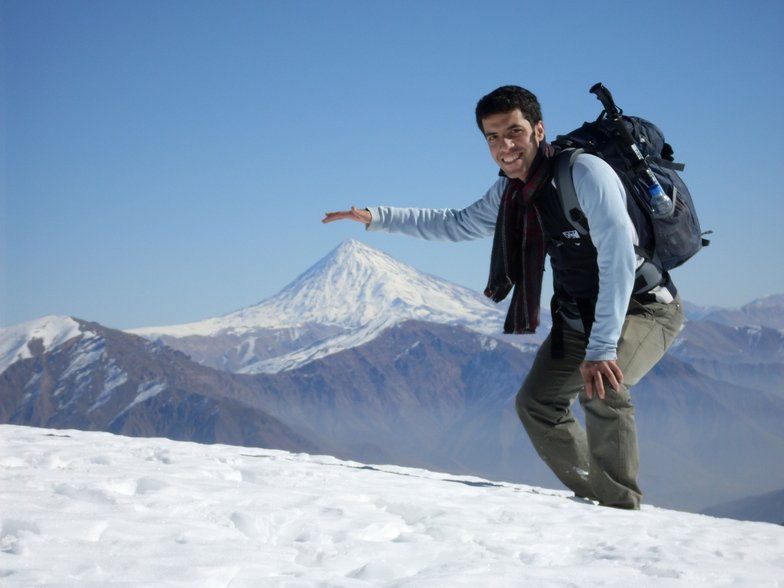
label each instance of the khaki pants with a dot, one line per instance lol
(602, 461)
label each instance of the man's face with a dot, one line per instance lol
(513, 142)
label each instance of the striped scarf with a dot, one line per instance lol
(519, 247)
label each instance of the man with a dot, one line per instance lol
(604, 339)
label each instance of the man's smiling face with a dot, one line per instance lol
(513, 142)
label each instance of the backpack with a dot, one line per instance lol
(636, 150)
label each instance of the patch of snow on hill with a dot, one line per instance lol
(24, 340)
(300, 357)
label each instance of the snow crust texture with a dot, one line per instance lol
(93, 509)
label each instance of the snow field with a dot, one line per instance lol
(93, 509)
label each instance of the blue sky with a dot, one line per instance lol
(167, 162)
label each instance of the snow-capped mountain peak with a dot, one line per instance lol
(355, 284)
(35, 337)
(350, 287)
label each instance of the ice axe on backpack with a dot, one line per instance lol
(659, 202)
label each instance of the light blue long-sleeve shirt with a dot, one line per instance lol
(602, 199)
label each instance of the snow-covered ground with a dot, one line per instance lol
(93, 509)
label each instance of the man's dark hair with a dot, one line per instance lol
(506, 99)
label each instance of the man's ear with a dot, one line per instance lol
(539, 130)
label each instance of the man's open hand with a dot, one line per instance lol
(362, 216)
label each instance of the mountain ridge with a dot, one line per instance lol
(105, 379)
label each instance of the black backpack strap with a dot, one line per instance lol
(666, 163)
(585, 308)
(666, 159)
(564, 185)
(556, 332)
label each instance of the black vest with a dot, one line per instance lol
(574, 258)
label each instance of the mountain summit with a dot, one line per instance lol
(353, 286)
(343, 301)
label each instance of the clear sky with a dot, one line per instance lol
(167, 162)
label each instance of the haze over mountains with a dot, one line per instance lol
(365, 358)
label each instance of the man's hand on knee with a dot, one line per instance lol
(594, 372)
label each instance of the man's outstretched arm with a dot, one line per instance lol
(475, 221)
